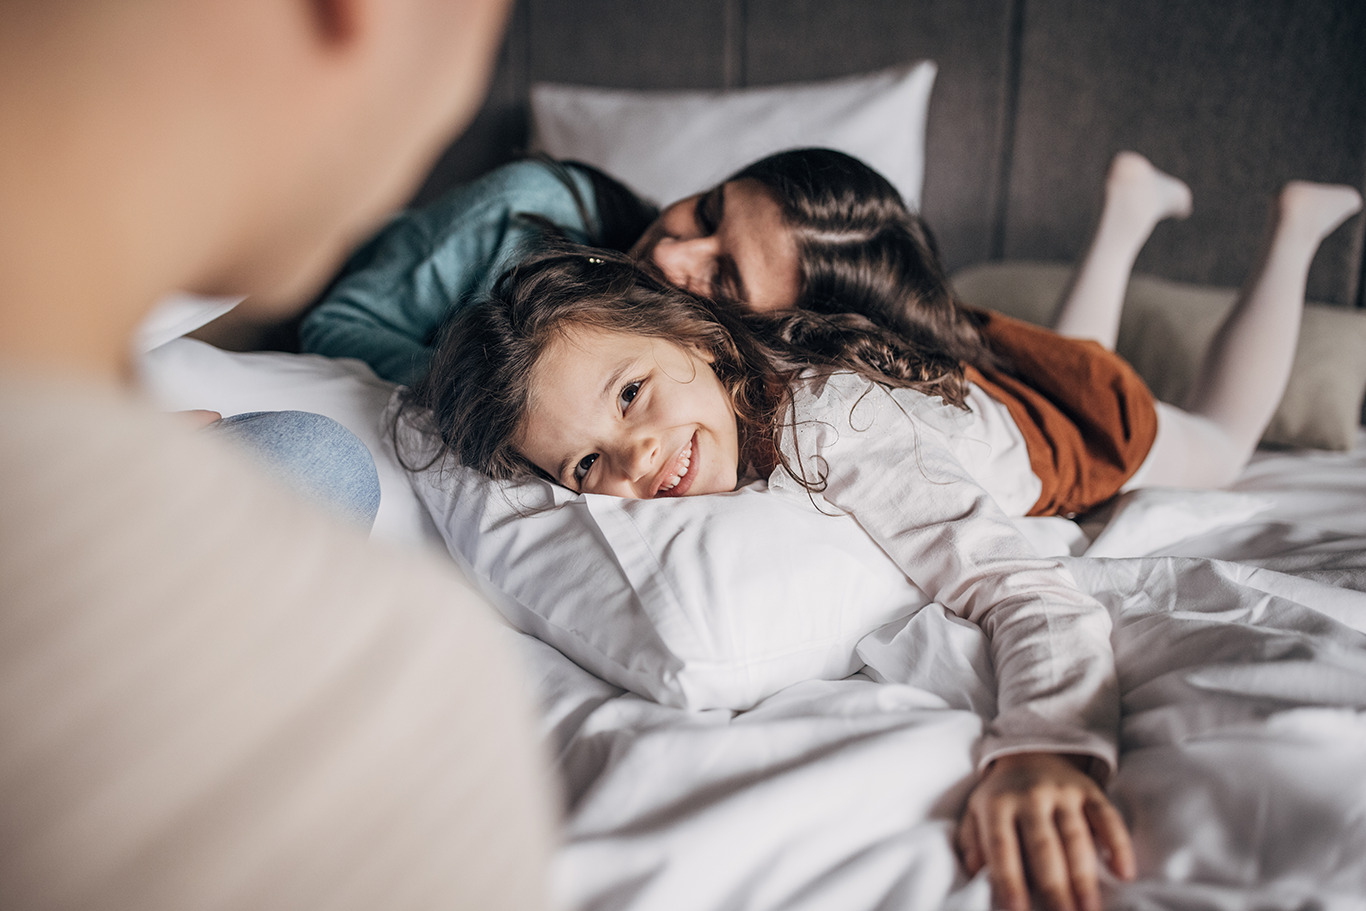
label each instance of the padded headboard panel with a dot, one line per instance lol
(1236, 98)
(1032, 100)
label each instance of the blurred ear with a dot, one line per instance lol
(336, 21)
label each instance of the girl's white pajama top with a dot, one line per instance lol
(936, 487)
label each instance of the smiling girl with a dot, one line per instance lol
(591, 372)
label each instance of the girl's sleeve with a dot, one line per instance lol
(395, 293)
(1050, 643)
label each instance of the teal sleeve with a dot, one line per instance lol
(393, 296)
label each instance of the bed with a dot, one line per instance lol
(810, 748)
(725, 740)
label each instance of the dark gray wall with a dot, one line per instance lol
(1032, 100)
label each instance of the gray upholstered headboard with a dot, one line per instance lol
(1032, 100)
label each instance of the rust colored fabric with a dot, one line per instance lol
(1087, 418)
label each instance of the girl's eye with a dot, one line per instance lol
(581, 469)
(628, 395)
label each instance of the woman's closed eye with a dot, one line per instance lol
(707, 212)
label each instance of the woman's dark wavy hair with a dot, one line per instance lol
(476, 396)
(863, 251)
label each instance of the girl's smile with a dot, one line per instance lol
(630, 416)
(679, 480)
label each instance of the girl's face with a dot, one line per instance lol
(730, 242)
(630, 416)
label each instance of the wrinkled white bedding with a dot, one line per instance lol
(1240, 632)
(1243, 768)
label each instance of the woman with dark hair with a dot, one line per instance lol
(813, 229)
(817, 230)
(809, 228)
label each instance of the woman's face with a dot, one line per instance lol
(630, 416)
(729, 243)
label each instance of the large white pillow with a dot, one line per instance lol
(698, 602)
(669, 144)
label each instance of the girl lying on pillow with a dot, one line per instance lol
(589, 370)
(585, 369)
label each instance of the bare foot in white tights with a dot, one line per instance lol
(1314, 210)
(1137, 197)
(1142, 194)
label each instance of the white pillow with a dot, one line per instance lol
(698, 602)
(666, 145)
(185, 374)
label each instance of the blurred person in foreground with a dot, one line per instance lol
(212, 695)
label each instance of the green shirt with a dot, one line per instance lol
(395, 293)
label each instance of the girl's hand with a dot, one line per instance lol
(1038, 814)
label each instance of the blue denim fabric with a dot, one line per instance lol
(314, 455)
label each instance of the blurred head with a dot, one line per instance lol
(224, 148)
(588, 370)
(250, 142)
(386, 85)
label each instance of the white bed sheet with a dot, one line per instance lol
(1240, 633)
(1243, 772)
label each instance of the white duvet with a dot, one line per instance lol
(1243, 765)
(1240, 634)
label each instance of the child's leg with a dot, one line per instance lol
(1248, 365)
(1137, 197)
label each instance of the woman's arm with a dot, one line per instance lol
(397, 291)
(1056, 688)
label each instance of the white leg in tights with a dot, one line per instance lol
(1137, 197)
(1245, 372)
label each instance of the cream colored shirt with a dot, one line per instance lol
(212, 697)
(925, 480)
